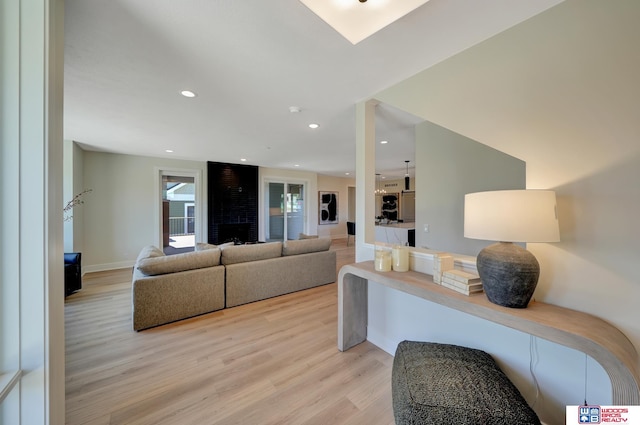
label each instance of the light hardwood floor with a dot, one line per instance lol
(271, 362)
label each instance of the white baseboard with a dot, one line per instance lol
(107, 266)
(381, 342)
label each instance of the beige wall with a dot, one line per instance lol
(340, 185)
(559, 91)
(448, 166)
(73, 184)
(121, 215)
(266, 175)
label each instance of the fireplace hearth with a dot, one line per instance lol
(235, 232)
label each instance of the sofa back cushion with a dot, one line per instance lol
(201, 246)
(149, 251)
(164, 264)
(304, 246)
(243, 253)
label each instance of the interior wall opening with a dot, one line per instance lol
(178, 213)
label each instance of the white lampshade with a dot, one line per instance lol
(512, 216)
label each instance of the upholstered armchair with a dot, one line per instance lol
(72, 272)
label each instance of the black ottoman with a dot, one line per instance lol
(448, 384)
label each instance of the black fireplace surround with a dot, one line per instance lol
(232, 203)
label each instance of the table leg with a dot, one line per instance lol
(352, 311)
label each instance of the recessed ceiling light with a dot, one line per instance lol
(383, 142)
(313, 125)
(168, 151)
(296, 165)
(243, 159)
(347, 174)
(187, 93)
(294, 109)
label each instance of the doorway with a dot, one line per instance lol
(178, 213)
(285, 210)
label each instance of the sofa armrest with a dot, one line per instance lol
(72, 258)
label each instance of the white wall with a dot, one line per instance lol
(121, 215)
(560, 92)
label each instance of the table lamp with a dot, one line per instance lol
(509, 273)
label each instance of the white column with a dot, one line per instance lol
(31, 246)
(365, 178)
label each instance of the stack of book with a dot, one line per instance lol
(463, 282)
(441, 263)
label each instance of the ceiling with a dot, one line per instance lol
(126, 62)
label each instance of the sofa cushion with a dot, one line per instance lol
(304, 246)
(149, 251)
(180, 262)
(305, 236)
(243, 253)
(202, 246)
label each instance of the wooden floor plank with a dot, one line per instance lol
(271, 362)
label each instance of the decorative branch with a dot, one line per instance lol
(74, 202)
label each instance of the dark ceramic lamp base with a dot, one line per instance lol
(509, 274)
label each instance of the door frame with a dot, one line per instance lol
(199, 200)
(186, 215)
(263, 217)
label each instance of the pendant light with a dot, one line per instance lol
(379, 191)
(406, 176)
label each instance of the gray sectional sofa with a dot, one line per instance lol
(169, 288)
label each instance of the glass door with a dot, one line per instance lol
(285, 210)
(275, 212)
(295, 210)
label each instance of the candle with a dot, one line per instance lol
(400, 258)
(383, 260)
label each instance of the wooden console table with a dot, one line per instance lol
(581, 331)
